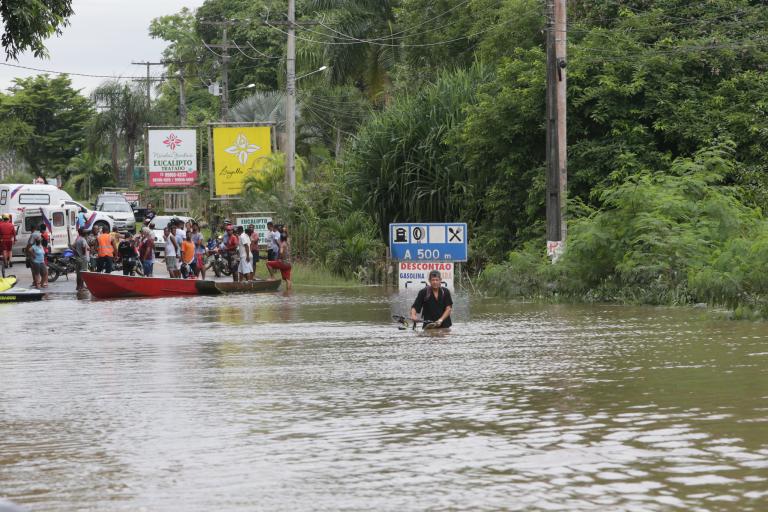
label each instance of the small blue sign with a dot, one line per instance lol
(428, 241)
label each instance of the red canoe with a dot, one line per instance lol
(110, 286)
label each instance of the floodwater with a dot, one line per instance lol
(316, 401)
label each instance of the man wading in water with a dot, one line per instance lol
(434, 302)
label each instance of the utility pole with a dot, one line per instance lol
(182, 98)
(290, 98)
(224, 47)
(556, 145)
(149, 77)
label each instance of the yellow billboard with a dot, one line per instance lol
(237, 152)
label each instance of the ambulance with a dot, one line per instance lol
(32, 205)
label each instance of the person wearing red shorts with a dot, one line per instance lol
(7, 239)
(283, 262)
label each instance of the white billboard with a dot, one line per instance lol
(172, 157)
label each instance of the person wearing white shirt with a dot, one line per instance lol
(245, 269)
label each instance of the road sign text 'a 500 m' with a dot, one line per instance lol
(428, 241)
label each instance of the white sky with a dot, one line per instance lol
(103, 38)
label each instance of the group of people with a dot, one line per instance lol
(240, 248)
(186, 250)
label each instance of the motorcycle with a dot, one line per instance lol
(137, 269)
(59, 264)
(218, 263)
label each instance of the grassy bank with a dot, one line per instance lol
(307, 274)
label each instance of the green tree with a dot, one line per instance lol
(88, 172)
(124, 112)
(29, 22)
(51, 119)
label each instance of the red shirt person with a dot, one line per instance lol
(7, 239)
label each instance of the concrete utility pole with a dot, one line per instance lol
(290, 98)
(557, 175)
(182, 98)
(224, 47)
(149, 77)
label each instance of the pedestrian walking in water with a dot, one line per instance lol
(434, 303)
(82, 255)
(283, 262)
(273, 241)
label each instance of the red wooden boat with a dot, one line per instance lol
(110, 286)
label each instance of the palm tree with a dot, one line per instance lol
(366, 65)
(263, 107)
(88, 171)
(124, 112)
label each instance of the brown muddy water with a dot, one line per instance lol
(315, 401)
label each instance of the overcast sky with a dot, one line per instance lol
(103, 38)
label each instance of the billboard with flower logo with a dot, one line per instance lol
(237, 152)
(172, 157)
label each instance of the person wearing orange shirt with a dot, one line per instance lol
(187, 256)
(107, 248)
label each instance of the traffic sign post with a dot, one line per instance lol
(428, 241)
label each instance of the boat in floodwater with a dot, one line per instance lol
(110, 286)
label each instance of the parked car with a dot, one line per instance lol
(121, 213)
(158, 224)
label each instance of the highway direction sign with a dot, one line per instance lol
(428, 241)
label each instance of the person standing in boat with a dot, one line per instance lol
(434, 302)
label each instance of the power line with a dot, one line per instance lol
(71, 73)
(354, 40)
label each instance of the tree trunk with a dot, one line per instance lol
(129, 163)
(115, 163)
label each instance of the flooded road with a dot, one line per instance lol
(315, 401)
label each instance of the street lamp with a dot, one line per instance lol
(321, 68)
(249, 86)
(290, 109)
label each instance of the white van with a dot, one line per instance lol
(59, 221)
(16, 198)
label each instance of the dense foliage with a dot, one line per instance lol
(44, 120)
(28, 23)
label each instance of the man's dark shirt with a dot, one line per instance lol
(126, 250)
(433, 308)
